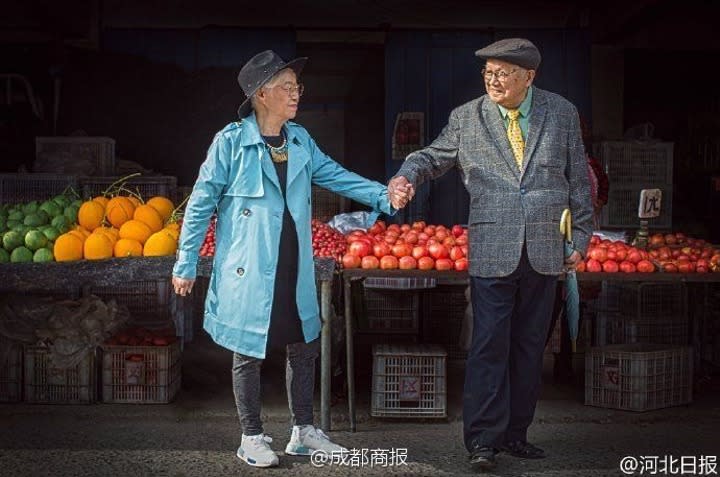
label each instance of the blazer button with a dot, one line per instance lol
(522, 190)
(240, 271)
(246, 212)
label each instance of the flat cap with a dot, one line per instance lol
(517, 51)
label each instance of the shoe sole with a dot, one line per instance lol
(483, 466)
(524, 456)
(255, 463)
(302, 451)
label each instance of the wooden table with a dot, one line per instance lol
(462, 278)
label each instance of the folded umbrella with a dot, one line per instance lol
(572, 294)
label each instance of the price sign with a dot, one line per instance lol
(650, 202)
(410, 388)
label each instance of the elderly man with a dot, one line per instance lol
(520, 154)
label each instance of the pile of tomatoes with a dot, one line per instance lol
(407, 247)
(208, 246)
(326, 241)
(615, 256)
(677, 253)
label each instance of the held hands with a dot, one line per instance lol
(400, 192)
(182, 286)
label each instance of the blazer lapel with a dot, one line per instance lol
(496, 126)
(537, 120)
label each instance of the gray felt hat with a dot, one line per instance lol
(517, 51)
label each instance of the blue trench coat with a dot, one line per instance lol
(239, 179)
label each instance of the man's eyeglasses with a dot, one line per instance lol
(502, 76)
(290, 89)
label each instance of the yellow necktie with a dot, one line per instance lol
(515, 136)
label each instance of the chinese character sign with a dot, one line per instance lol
(650, 201)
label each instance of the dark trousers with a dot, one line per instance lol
(511, 318)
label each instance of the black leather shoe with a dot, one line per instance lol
(483, 458)
(523, 449)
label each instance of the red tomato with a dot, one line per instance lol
(419, 251)
(381, 249)
(610, 266)
(426, 263)
(670, 267)
(388, 262)
(456, 253)
(634, 256)
(580, 266)
(438, 251)
(457, 230)
(351, 261)
(645, 266)
(419, 225)
(444, 264)
(627, 267)
(370, 261)
(361, 248)
(401, 250)
(407, 263)
(461, 264)
(593, 265)
(599, 254)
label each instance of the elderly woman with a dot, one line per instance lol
(257, 176)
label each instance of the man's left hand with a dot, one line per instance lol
(572, 261)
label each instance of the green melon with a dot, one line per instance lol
(51, 208)
(34, 240)
(43, 255)
(12, 240)
(52, 233)
(17, 215)
(21, 255)
(30, 207)
(71, 212)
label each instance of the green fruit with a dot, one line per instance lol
(77, 203)
(16, 215)
(52, 233)
(34, 240)
(71, 212)
(51, 208)
(30, 207)
(22, 229)
(36, 220)
(61, 201)
(11, 224)
(4, 256)
(12, 240)
(21, 255)
(62, 223)
(43, 255)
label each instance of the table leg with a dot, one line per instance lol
(349, 346)
(325, 354)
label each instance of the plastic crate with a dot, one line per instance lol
(409, 381)
(47, 384)
(326, 204)
(97, 151)
(638, 377)
(388, 311)
(443, 312)
(148, 301)
(147, 186)
(154, 377)
(10, 371)
(635, 163)
(15, 188)
(621, 210)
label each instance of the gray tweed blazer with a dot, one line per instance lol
(510, 208)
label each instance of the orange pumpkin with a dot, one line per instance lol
(163, 205)
(91, 214)
(136, 230)
(97, 247)
(119, 210)
(160, 244)
(148, 215)
(109, 232)
(68, 247)
(128, 248)
(135, 201)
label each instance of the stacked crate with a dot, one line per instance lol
(409, 381)
(10, 370)
(15, 188)
(96, 154)
(640, 312)
(48, 384)
(638, 377)
(632, 166)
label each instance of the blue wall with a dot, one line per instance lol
(434, 72)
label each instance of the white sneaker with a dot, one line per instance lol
(256, 451)
(304, 440)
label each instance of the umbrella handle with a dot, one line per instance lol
(566, 224)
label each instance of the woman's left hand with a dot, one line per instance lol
(182, 286)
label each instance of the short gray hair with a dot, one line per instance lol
(272, 82)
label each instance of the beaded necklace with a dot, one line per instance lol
(280, 153)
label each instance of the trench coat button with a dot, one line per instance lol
(240, 271)
(522, 190)
(246, 212)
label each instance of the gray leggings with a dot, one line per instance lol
(299, 380)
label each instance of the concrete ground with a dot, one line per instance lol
(198, 433)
